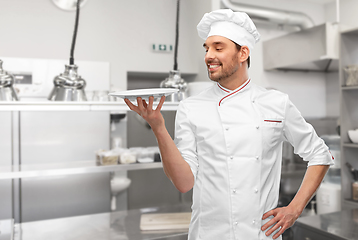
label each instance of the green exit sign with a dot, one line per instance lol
(162, 47)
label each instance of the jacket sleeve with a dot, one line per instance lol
(185, 138)
(304, 139)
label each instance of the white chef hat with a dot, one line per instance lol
(236, 26)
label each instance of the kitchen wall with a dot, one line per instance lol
(122, 33)
(347, 13)
(116, 31)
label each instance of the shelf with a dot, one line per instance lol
(351, 145)
(349, 111)
(118, 106)
(344, 88)
(70, 168)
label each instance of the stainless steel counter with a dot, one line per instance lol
(121, 225)
(337, 225)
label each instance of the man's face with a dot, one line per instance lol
(221, 58)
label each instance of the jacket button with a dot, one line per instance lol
(256, 190)
(257, 127)
(231, 157)
(257, 157)
(253, 221)
(236, 223)
(234, 190)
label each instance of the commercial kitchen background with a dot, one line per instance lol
(121, 33)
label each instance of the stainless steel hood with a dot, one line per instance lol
(311, 49)
(271, 15)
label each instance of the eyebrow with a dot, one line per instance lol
(214, 43)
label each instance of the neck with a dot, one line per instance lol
(236, 80)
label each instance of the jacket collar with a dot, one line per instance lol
(225, 93)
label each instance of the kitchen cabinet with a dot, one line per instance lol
(349, 114)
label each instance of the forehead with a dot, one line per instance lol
(215, 40)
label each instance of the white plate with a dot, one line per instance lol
(144, 93)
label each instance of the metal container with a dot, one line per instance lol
(7, 92)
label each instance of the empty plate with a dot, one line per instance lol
(144, 93)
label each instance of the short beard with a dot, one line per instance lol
(228, 72)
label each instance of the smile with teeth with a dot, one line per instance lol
(213, 67)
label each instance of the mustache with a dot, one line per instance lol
(213, 62)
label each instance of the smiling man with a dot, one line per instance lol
(228, 142)
(222, 60)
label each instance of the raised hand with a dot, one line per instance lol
(146, 111)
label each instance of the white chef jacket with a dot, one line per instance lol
(232, 141)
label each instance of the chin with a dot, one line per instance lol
(213, 78)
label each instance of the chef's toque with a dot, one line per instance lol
(236, 26)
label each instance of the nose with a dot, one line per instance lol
(209, 55)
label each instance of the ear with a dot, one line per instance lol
(244, 53)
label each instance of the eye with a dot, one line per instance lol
(219, 49)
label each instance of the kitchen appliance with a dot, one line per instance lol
(174, 80)
(69, 86)
(271, 15)
(7, 92)
(294, 52)
(33, 76)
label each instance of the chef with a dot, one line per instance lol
(228, 142)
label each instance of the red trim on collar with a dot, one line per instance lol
(222, 88)
(232, 92)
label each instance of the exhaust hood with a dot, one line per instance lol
(311, 49)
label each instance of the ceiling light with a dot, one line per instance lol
(174, 80)
(69, 86)
(68, 5)
(7, 92)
